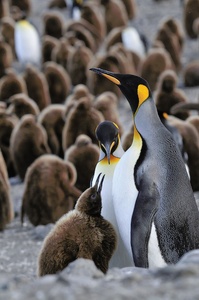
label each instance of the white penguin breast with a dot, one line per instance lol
(125, 194)
(27, 44)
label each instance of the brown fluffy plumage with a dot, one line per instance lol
(23, 5)
(49, 190)
(6, 206)
(37, 86)
(4, 8)
(6, 57)
(11, 84)
(48, 44)
(21, 104)
(84, 156)
(52, 119)
(156, 61)
(167, 94)
(191, 74)
(53, 24)
(59, 81)
(81, 233)
(82, 119)
(28, 141)
(191, 12)
(61, 52)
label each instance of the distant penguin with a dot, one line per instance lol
(88, 118)
(23, 5)
(110, 153)
(190, 74)
(156, 61)
(21, 104)
(152, 176)
(49, 190)
(107, 104)
(190, 13)
(74, 7)
(167, 94)
(7, 124)
(84, 156)
(52, 119)
(48, 44)
(59, 82)
(10, 84)
(28, 141)
(53, 23)
(27, 43)
(81, 233)
(6, 205)
(37, 86)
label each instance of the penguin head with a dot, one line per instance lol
(107, 133)
(134, 88)
(90, 201)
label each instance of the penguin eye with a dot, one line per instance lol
(93, 196)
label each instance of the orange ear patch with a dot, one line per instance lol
(143, 93)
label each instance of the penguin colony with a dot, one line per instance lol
(55, 113)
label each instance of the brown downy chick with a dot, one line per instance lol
(48, 44)
(6, 206)
(59, 81)
(28, 141)
(191, 74)
(4, 8)
(53, 24)
(49, 190)
(52, 119)
(83, 118)
(167, 94)
(84, 156)
(23, 5)
(7, 31)
(37, 86)
(21, 104)
(6, 57)
(107, 104)
(191, 12)
(61, 51)
(81, 233)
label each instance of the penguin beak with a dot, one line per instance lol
(108, 147)
(99, 188)
(107, 74)
(101, 184)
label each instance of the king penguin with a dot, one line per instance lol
(154, 203)
(27, 42)
(111, 151)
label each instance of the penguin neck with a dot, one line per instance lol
(146, 119)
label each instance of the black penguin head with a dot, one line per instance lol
(90, 201)
(107, 134)
(134, 88)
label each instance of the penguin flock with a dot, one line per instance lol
(121, 198)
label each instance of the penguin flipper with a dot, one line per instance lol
(145, 209)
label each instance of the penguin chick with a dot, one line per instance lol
(59, 81)
(81, 233)
(61, 51)
(21, 104)
(88, 118)
(27, 43)
(53, 23)
(7, 124)
(23, 5)
(37, 86)
(131, 8)
(48, 44)
(156, 61)
(167, 94)
(107, 104)
(7, 31)
(6, 57)
(111, 151)
(6, 206)
(11, 84)
(49, 190)
(194, 120)
(52, 119)
(114, 8)
(190, 13)
(152, 175)
(191, 74)
(84, 156)
(57, 3)
(28, 141)
(77, 63)
(4, 9)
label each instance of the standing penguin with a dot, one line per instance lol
(154, 203)
(111, 151)
(81, 233)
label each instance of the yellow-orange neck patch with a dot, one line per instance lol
(113, 160)
(143, 93)
(111, 78)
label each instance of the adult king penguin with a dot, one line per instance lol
(107, 133)
(154, 203)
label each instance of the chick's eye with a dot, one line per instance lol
(93, 196)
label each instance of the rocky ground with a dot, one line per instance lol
(19, 246)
